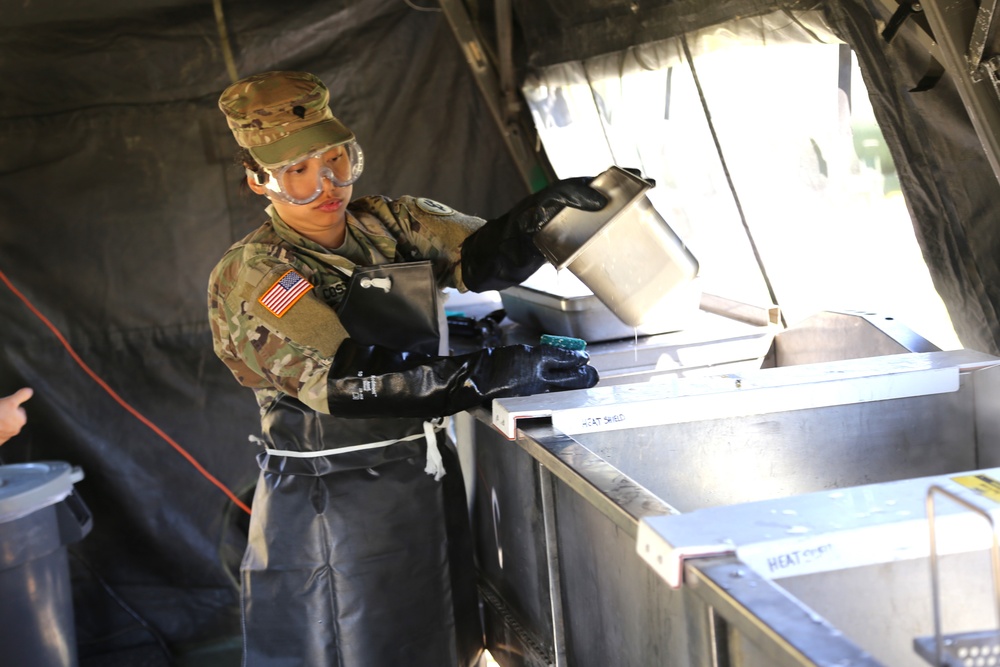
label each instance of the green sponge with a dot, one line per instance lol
(564, 342)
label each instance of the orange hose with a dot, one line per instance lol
(135, 413)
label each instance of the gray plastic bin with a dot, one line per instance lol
(40, 513)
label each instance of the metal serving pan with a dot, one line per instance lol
(625, 253)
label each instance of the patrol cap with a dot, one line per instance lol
(279, 116)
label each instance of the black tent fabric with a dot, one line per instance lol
(946, 178)
(118, 193)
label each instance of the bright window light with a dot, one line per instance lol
(802, 157)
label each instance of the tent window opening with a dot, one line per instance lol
(769, 122)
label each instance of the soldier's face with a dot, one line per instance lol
(326, 213)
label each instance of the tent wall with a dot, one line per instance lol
(948, 183)
(945, 176)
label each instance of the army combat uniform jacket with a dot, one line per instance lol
(289, 351)
(358, 558)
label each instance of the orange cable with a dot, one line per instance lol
(135, 413)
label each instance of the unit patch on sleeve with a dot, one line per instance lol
(283, 294)
(433, 207)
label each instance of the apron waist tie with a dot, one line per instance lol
(435, 464)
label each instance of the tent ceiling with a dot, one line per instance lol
(562, 30)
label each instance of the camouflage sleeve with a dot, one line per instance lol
(272, 330)
(427, 229)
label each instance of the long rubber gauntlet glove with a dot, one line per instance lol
(373, 381)
(502, 252)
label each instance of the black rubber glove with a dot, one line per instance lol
(502, 253)
(373, 381)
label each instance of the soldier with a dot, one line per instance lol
(359, 549)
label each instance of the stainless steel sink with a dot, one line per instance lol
(557, 510)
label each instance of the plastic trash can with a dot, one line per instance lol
(40, 513)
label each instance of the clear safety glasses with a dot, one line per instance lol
(301, 182)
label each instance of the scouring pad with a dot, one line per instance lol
(564, 342)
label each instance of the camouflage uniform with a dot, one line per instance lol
(298, 536)
(292, 354)
(356, 557)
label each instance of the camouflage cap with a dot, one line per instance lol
(279, 116)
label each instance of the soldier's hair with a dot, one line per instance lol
(244, 159)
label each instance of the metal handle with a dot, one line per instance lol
(384, 284)
(935, 588)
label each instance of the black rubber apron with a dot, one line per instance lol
(357, 557)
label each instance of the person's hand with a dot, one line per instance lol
(524, 370)
(502, 252)
(12, 415)
(534, 212)
(372, 381)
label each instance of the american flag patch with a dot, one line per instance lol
(285, 292)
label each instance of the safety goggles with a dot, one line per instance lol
(301, 182)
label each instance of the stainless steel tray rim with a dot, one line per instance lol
(566, 304)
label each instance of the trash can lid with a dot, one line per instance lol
(28, 487)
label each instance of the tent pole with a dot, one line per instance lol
(505, 59)
(960, 34)
(503, 104)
